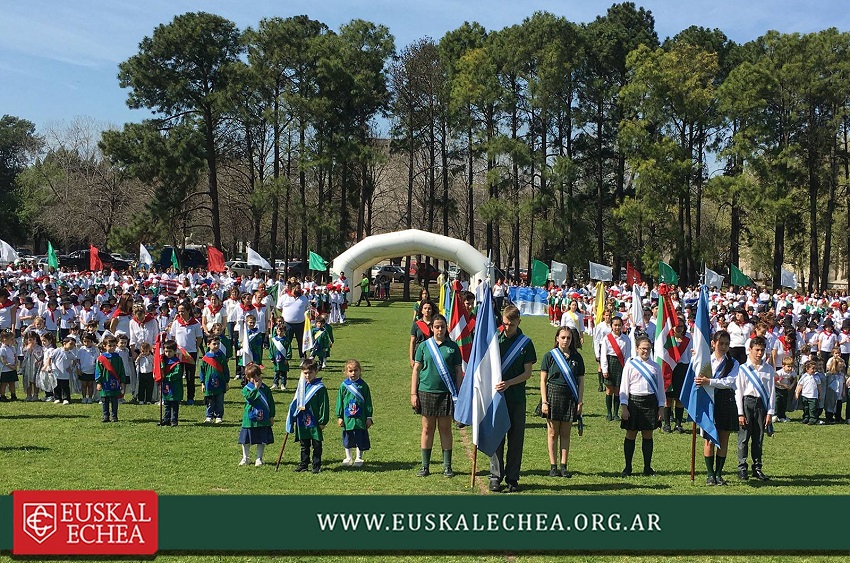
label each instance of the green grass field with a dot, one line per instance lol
(46, 446)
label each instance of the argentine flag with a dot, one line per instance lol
(479, 405)
(699, 400)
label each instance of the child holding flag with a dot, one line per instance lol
(308, 415)
(257, 415)
(109, 373)
(280, 352)
(321, 342)
(214, 376)
(354, 413)
(172, 383)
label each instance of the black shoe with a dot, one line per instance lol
(513, 487)
(667, 429)
(600, 389)
(14, 397)
(720, 481)
(566, 474)
(678, 428)
(627, 472)
(115, 419)
(105, 419)
(649, 472)
(743, 475)
(609, 418)
(300, 468)
(710, 480)
(553, 472)
(758, 474)
(174, 423)
(448, 472)
(423, 472)
(164, 423)
(317, 469)
(495, 486)
(3, 399)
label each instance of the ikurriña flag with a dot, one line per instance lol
(665, 344)
(479, 405)
(460, 328)
(699, 400)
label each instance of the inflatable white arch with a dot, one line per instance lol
(371, 250)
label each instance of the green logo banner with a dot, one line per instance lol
(490, 523)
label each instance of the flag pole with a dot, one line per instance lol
(474, 466)
(283, 447)
(693, 449)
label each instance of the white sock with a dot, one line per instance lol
(245, 449)
(260, 448)
(359, 454)
(347, 453)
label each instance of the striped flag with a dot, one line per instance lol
(479, 405)
(460, 329)
(699, 400)
(664, 341)
(599, 303)
(307, 340)
(636, 315)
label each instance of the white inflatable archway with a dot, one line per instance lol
(371, 250)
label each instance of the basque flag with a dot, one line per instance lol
(697, 399)
(479, 405)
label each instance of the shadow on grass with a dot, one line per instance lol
(23, 449)
(356, 321)
(371, 466)
(33, 416)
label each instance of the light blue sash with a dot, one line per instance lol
(514, 351)
(442, 368)
(566, 371)
(646, 373)
(756, 382)
(295, 408)
(352, 388)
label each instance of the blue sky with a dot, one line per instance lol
(59, 59)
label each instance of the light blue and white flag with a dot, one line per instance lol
(601, 272)
(697, 399)
(145, 256)
(558, 272)
(789, 279)
(712, 278)
(479, 405)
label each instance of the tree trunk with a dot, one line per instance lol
(470, 177)
(778, 251)
(212, 174)
(827, 217)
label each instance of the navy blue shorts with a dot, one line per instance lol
(356, 439)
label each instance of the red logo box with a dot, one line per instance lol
(85, 522)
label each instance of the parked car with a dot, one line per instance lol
(430, 273)
(389, 272)
(187, 258)
(79, 260)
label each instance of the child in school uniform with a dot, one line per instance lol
(87, 355)
(255, 343)
(308, 415)
(808, 389)
(214, 377)
(321, 343)
(257, 415)
(123, 350)
(835, 386)
(64, 364)
(172, 386)
(784, 381)
(354, 413)
(33, 357)
(144, 367)
(109, 373)
(280, 352)
(9, 367)
(46, 381)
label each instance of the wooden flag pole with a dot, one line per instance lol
(474, 466)
(280, 456)
(693, 449)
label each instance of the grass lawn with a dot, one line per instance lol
(46, 446)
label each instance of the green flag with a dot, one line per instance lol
(174, 259)
(539, 274)
(666, 274)
(52, 260)
(317, 262)
(739, 278)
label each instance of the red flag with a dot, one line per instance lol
(460, 328)
(157, 357)
(632, 275)
(95, 265)
(215, 259)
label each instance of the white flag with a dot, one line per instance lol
(789, 279)
(558, 272)
(145, 256)
(254, 259)
(7, 253)
(713, 279)
(307, 339)
(600, 272)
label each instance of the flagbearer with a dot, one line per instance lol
(617, 350)
(308, 415)
(562, 393)
(755, 397)
(433, 391)
(642, 398)
(722, 377)
(682, 355)
(518, 357)
(214, 376)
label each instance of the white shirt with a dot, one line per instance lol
(186, 336)
(625, 348)
(727, 382)
(745, 388)
(633, 383)
(738, 334)
(293, 308)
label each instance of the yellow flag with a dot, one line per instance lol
(441, 304)
(599, 302)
